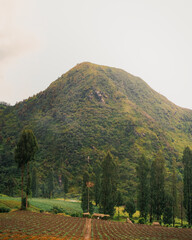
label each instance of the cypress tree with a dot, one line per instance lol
(108, 185)
(97, 186)
(168, 209)
(87, 194)
(65, 185)
(143, 186)
(50, 183)
(119, 201)
(24, 153)
(174, 191)
(157, 185)
(130, 207)
(34, 183)
(187, 162)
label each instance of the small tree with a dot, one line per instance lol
(130, 207)
(24, 153)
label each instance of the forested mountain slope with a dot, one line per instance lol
(86, 112)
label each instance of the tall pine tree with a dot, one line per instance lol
(108, 185)
(97, 186)
(174, 191)
(87, 193)
(50, 183)
(143, 186)
(187, 162)
(157, 187)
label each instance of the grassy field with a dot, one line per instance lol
(42, 204)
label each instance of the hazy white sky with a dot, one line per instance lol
(42, 39)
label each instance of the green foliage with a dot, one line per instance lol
(56, 209)
(143, 187)
(50, 183)
(168, 209)
(87, 111)
(142, 220)
(97, 181)
(34, 183)
(84, 197)
(4, 209)
(130, 207)
(46, 205)
(23, 204)
(24, 153)
(26, 148)
(119, 199)
(87, 193)
(157, 185)
(108, 185)
(187, 162)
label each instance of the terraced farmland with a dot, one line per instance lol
(30, 225)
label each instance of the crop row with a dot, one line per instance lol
(121, 231)
(40, 225)
(30, 225)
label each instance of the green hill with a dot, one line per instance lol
(87, 111)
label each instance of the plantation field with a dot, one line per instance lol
(70, 208)
(30, 225)
(37, 204)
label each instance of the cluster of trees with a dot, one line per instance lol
(154, 199)
(24, 155)
(100, 184)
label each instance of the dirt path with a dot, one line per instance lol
(88, 229)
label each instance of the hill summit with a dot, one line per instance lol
(86, 112)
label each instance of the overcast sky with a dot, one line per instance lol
(42, 39)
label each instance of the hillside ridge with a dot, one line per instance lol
(86, 112)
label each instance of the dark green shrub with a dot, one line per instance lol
(57, 209)
(76, 215)
(141, 220)
(4, 209)
(41, 211)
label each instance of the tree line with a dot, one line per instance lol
(101, 184)
(154, 200)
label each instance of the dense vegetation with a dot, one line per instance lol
(86, 112)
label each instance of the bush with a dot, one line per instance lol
(57, 209)
(4, 209)
(141, 220)
(76, 215)
(41, 211)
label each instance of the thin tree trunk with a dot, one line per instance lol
(22, 173)
(27, 184)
